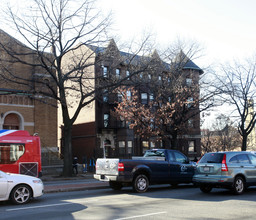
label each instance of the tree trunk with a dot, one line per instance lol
(67, 141)
(244, 142)
(174, 140)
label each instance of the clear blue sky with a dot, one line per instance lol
(226, 29)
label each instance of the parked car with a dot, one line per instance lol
(232, 170)
(157, 166)
(19, 188)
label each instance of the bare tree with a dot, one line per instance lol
(237, 86)
(65, 38)
(222, 137)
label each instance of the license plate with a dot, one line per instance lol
(206, 169)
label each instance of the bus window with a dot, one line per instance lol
(10, 153)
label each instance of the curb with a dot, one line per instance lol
(72, 189)
(75, 187)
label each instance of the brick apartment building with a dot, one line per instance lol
(96, 129)
(19, 108)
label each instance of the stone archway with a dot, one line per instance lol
(13, 121)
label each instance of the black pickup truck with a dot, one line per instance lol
(157, 166)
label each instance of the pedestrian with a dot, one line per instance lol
(75, 164)
(91, 165)
(84, 164)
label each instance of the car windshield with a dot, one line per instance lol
(212, 158)
(154, 153)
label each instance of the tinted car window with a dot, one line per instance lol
(252, 158)
(154, 153)
(179, 157)
(170, 156)
(242, 158)
(233, 160)
(212, 158)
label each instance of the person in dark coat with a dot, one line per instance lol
(75, 165)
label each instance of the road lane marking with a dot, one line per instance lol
(138, 216)
(41, 206)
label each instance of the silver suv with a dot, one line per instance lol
(233, 170)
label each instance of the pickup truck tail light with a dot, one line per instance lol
(224, 166)
(120, 167)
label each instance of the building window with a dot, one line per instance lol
(191, 147)
(128, 123)
(121, 122)
(152, 145)
(128, 95)
(151, 97)
(190, 102)
(145, 146)
(11, 122)
(188, 81)
(129, 147)
(190, 123)
(121, 145)
(105, 95)
(127, 74)
(105, 71)
(106, 120)
(144, 98)
(119, 97)
(152, 123)
(118, 73)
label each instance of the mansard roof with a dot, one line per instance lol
(181, 57)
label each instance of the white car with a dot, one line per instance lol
(19, 188)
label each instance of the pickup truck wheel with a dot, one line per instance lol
(115, 185)
(140, 183)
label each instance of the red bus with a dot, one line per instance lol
(20, 153)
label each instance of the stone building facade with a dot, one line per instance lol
(96, 133)
(20, 109)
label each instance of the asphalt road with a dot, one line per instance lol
(161, 202)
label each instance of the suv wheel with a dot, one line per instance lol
(238, 186)
(206, 188)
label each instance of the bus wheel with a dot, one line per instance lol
(21, 194)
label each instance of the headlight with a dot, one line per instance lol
(37, 181)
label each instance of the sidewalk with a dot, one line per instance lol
(75, 183)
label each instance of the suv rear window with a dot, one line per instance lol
(212, 158)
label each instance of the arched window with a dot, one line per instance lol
(11, 122)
